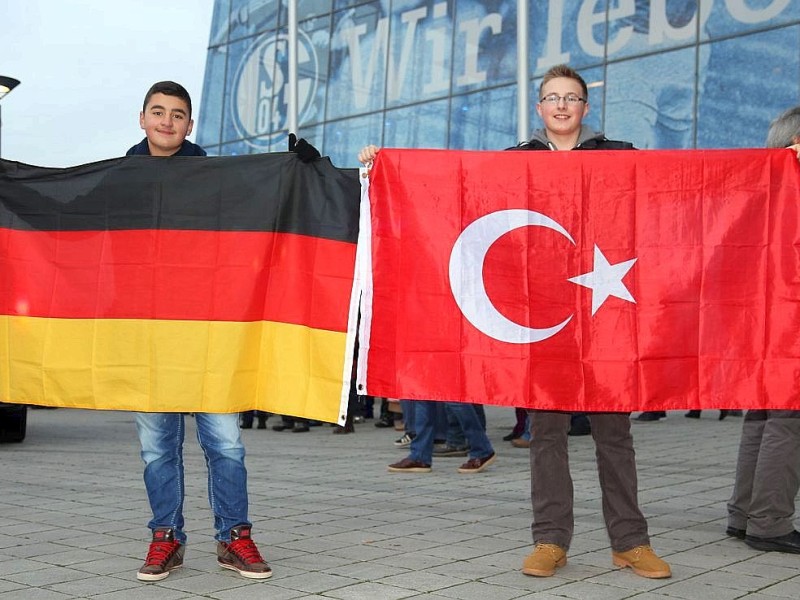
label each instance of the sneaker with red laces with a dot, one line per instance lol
(164, 555)
(242, 555)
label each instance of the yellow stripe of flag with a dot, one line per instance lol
(155, 365)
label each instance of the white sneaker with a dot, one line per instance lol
(404, 441)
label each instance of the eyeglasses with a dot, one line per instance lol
(570, 99)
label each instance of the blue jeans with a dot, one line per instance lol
(422, 445)
(455, 435)
(161, 436)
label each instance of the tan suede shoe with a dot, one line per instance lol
(643, 561)
(544, 560)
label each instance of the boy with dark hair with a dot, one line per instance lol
(166, 118)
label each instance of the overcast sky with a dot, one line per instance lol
(85, 66)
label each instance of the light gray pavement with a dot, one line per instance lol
(333, 523)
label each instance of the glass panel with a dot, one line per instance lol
(236, 149)
(209, 121)
(313, 51)
(483, 120)
(306, 9)
(650, 100)
(421, 48)
(739, 16)
(244, 115)
(338, 4)
(647, 26)
(358, 60)
(737, 104)
(219, 23)
(249, 17)
(420, 126)
(343, 139)
(572, 31)
(485, 42)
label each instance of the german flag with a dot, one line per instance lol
(217, 284)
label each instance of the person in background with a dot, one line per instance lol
(248, 416)
(762, 506)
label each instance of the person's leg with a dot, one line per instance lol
(470, 423)
(481, 412)
(551, 483)
(161, 438)
(220, 439)
(439, 422)
(408, 408)
(777, 476)
(616, 466)
(421, 449)
(749, 447)
(455, 434)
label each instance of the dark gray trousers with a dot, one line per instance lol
(767, 473)
(551, 483)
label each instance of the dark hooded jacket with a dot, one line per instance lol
(186, 149)
(589, 139)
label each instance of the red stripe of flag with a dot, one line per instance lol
(184, 275)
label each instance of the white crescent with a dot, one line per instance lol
(466, 274)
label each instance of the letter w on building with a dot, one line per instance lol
(216, 284)
(584, 281)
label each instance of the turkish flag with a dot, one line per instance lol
(583, 281)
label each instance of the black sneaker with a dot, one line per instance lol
(450, 451)
(651, 416)
(164, 555)
(242, 555)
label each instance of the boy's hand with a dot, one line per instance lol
(305, 151)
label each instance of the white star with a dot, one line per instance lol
(605, 280)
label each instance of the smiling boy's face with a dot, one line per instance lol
(562, 118)
(166, 122)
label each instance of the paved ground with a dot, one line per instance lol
(334, 523)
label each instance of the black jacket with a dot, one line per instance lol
(187, 149)
(588, 139)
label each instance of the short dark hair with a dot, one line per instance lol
(564, 71)
(168, 88)
(785, 129)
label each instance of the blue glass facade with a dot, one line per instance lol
(442, 73)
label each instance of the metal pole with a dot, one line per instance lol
(523, 112)
(291, 112)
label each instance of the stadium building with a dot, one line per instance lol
(443, 73)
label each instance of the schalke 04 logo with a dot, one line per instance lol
(260, 94)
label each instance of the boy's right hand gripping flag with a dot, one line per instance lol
(584, 281)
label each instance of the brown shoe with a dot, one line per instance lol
(476, 465)
(521, 443)
(241, 555)
(409, 466)
(643, 561)
(544, 560)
